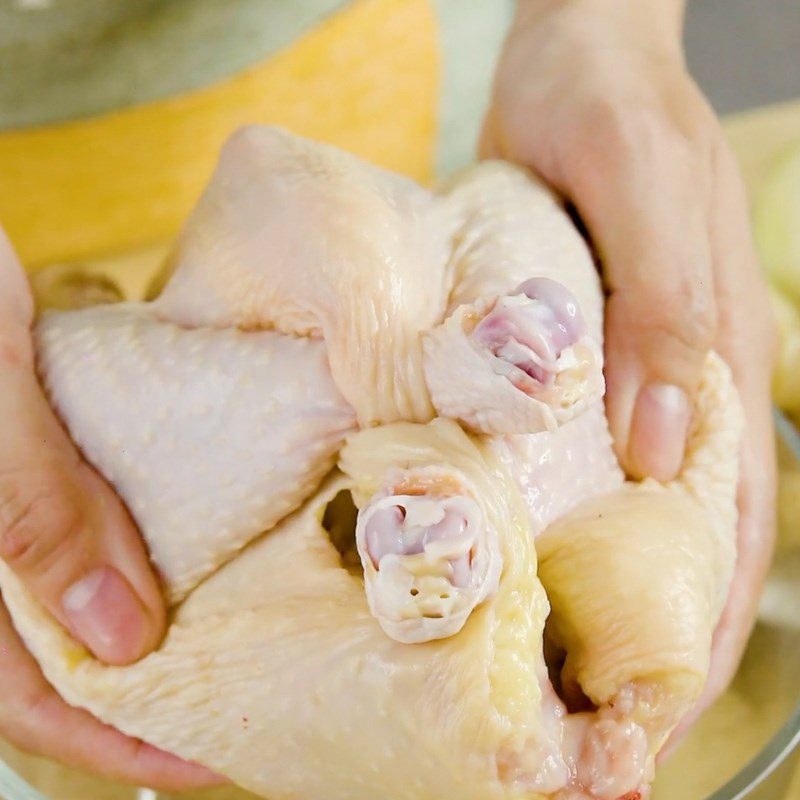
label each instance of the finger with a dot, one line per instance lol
(36, 720)
(640, 192)
(756, 511)
(62, 529)
(755, 548)
(747, 341)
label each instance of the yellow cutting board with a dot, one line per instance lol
(366, 79)
(758, 138)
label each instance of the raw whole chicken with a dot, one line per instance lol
(473, 603)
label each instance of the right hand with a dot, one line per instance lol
(69, 539)
(595, 97)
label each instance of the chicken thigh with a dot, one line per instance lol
(473, 607)
(321, 244)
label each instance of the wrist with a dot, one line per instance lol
(653, 26)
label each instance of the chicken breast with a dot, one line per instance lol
(473, 607)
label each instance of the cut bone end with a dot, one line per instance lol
(526, 362)
(538, 340)
(428, 558)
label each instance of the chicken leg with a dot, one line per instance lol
(308, 240)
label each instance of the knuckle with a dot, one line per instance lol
(692, 322)
(37, 701)
(622, 126)
(689, 297)
(645, 132)
(39, 516)
(760, 338)
(699, 314)
(26, 716)
(680, 317)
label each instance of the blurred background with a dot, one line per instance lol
(743, 53)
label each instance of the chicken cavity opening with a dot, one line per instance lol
(339, 521)
(562, 678)
(581, 751)
(427, 559)
(588, 755)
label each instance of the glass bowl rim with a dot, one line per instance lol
(787, 739)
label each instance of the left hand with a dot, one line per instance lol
(61, 525)
(594, 96)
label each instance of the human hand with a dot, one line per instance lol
(595, 97)
(71, 542)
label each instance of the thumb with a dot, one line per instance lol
(655, 352)
(648, 221)
(63, 531)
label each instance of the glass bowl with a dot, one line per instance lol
(743, 747)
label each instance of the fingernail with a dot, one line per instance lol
(659, 428)
(105, 614)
